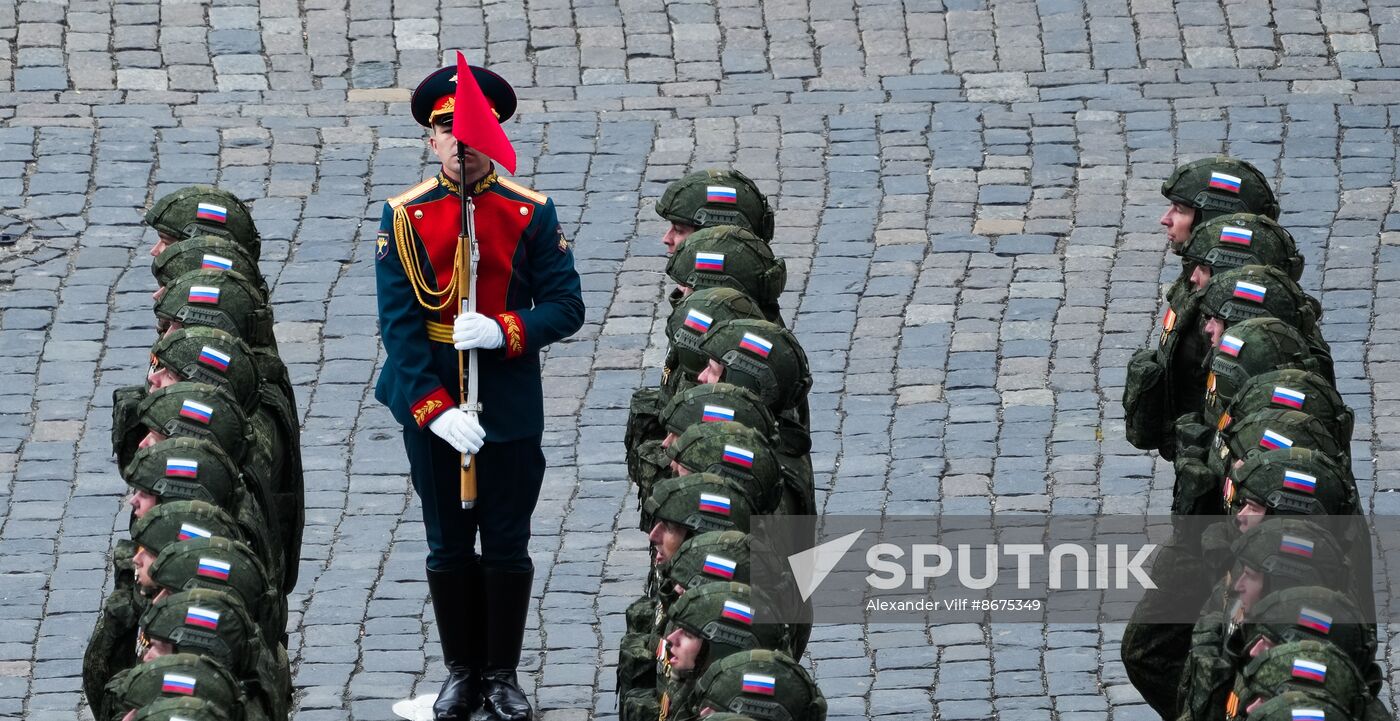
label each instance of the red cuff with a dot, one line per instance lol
(431, 406)
(514, 331)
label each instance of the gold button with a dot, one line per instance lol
(418, 215)
(524, 210)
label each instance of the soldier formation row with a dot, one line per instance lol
(1240, 394)
(722, 440)
(195, 625)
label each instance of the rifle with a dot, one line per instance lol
(467, 254)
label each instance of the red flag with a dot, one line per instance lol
(475, 124)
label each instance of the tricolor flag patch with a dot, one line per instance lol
(202, 617)
(182, 467)
(1314, 619)
(719, 566)
(714, 503)
(760, 684)
(697, 321)
(736, 611)
(214, 358)
(709, 261)
(210, 211)
(204, 294)
(188, 531)
(721, 194)
(716, 414)
(1238, 236)
(1226, 182)
(214, 568)
(1230, 345)
(196, 411)
(756, 345)
(737, 456)
(1309, 670)
(1274, 441)
(1250, 291)
(216, 262)
(1299, 481)
(1309, 714)
(1289, 397)
(177, 684)
(1296, 545)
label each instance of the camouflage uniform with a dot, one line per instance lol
(215, 624)
(207, 252)
(1315, 669)
(728, 256)
(1259, 291)
(115, 633)
(692, 201)
(1199, 184)
(736, 452)
(1291, 705)
(222, 564)
(184, 709)
(762, 684)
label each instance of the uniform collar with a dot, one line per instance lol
(481, 186)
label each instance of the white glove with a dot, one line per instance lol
(460, 429)
(474, 330)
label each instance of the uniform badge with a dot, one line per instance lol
(381, 245)
(564, 243)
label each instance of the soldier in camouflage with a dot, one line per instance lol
(183, 709)
(205, 252)
(1315, 669)
(1210, 187)
(762, 684)
(203, 210)
(728, 256)
(734, 451)
(716, 196)
(180, 675)
(222, 564)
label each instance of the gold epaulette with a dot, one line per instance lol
(413, 192)
(534, 195)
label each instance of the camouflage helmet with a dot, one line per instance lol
(696, 314)
(1292, 706)
(218, 564)
(1316, 669)
(714, 402)
(712, 556)
(1293, 481)
(727, 716)
(1298, 390)
(1275, 428)
(762, 357)
(209, 355)
(701, 502)
(206, 252)
(209, 623)
(733, 451)
(1291, 551)
(1259, 291)
(170, 523)
(1238, 239)
(178, 675)
(185, 709)
(1307, 613)
(727, 256)
(718, 196)
(218, 299)
(1250, 348)
(1219, 186)
(721, 615)
(197, 410)
(185, 469)
(205, 210)
(763, 684)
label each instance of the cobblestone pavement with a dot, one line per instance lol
(967, 195)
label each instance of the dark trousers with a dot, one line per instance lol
(508, 479)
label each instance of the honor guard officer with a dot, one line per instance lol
(527, 296)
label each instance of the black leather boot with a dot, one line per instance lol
(507, 597)
(457, 606)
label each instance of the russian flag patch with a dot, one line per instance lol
(182, 468)
(709, 261)
(697, 321)
(760, 684)
(188, 531)
(1274, 441)
(1289, 397)
(1299, 481)
(214, 358)
(1297, 546)
(737, 456)
(1309, 670)
(719, 566)
(202, 618)
(204, 294)
(1230, 345)
(1250, 291)
(1235, 235)
(736, 611)
(1309, 714)
(714, 503)
(715, 414)
(1226, 182)
(210, 211)
(196, 411)
(213, 568)
(756, 345)
(216, 262)
(1314, 619)
(178, 684)
(721, 194)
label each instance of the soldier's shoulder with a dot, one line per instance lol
(516, 191)
(424, 187)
